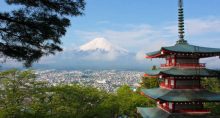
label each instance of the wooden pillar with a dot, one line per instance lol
(174, 82)
(173, 107)
(175, 60)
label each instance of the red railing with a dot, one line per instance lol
(162, 84)
(194, 111)
(188, 87)
(165, 108)
(202, 65)
(166, 65)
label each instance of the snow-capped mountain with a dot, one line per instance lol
(101, 45)
(98, 53)
(99, 49)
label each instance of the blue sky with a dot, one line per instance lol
(143, 25)
(121, 17)
(108, 17)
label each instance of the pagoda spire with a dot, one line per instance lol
(181, 24)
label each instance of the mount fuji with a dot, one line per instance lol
(102, 45)
(99, 49)
(98, 53)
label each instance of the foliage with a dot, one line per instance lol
(212, 84)
(20, 93)
(149, 82)
(23, 97)
(129, 100)
(34, 29)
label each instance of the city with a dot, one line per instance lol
(108, 80)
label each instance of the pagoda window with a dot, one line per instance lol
(167, 61)
(172, 82)
(170, 61)
(173, 61)
(170, 105)
(166, 82)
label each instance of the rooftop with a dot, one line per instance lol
(203, 72)
(159, 113)
(177, 95)
(185, 48)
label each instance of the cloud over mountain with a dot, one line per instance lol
(101, 44)
(98, 53)
(100, 49)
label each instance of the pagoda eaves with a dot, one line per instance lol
(180, 72)
(185, 50)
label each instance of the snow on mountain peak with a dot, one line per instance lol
(101, 44)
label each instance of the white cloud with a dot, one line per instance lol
(134, 38)
(213, 62)
(140, 56)
(51, 59)
(197, 26)
(101, 57)
(11, 63)
(148, 37)
(200, 26)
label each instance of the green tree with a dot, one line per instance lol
(212, 84)
(149, 82)
(19, 91)
(129, 101)
(76, 101)
(109, 108)
(22, 96)
(34, 29)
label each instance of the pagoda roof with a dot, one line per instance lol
(159, 113)
(203, 72)
(152, 112)
(184, 48)
(180, 95)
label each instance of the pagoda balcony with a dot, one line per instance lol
(162, 85)
(164, 107)
(190, 111)
(188, 87)
(186, 65)
(187, 111)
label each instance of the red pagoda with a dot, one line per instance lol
(180, 94)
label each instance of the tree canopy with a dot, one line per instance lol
(35, 27)
(22, 96)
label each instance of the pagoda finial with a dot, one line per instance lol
(181, 24)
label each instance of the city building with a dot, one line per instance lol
(180, 94)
